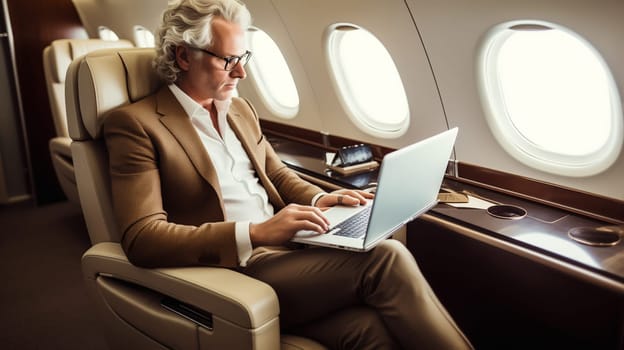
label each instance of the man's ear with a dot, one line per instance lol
(182, 57)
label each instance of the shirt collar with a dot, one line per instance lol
(192, 108)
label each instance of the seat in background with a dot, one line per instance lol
(243, 311)
(56, 59)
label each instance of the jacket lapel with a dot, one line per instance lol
(250, 142)
(246, 139)
(174, 118)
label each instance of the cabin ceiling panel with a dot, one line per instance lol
(452, 31)
(86, 11)
(120, 15)
(307, 21)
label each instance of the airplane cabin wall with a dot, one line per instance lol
(265, 17)
(438, 71)
(14, 177)
(302, 24)
(34, 24)
(452, 31)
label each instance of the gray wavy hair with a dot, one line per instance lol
(189, 22)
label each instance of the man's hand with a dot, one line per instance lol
(282, 227)
(344, 197)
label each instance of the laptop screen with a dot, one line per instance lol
(409, 182)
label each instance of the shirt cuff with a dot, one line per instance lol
(316, 198)
(243, 242)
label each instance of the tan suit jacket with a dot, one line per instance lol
(166, 194)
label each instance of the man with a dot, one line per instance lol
(195, 183)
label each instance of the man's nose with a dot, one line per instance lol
(239, 72)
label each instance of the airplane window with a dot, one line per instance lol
(368, 82)
(106, 33)
(550, 99)
(143, 37)
(271, 75)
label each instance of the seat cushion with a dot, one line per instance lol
(293, 342)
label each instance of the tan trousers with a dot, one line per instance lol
(348, 300)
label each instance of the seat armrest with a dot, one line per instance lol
(61, 145)
(231, 295)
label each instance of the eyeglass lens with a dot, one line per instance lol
(232, 62)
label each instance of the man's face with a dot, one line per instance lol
(204, 77)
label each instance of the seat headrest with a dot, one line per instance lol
(104, 80)
(64, 51)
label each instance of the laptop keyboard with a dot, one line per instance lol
(355, 226)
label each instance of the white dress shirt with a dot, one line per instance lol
(245, 199)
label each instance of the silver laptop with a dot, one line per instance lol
(408, 185)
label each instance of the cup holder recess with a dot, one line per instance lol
(506, 211)
(603, 236)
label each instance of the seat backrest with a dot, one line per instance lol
(97, 83)
(56, 59)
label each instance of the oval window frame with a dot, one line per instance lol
(143, 37)
(259, 79)
(510, 138)
(349, 104)
(105, 33)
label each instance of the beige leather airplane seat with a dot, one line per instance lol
(56, 59)
(226, 309)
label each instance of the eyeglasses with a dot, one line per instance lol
(230, 62)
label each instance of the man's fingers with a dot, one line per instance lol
(345, 199)
(310, 214)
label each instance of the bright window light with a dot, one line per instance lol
(550, 99)
(368, 81)
(143, 37)
(572, 95)
(271, 75)
(106, 33)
